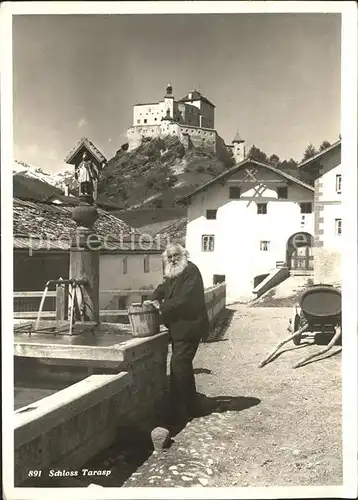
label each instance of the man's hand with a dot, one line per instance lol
(154, 303)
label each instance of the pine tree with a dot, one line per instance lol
(258, 155)
(309, 152)
(324, 145)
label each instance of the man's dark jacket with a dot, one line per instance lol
(183, 306)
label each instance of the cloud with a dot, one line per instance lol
(53, 155)
(32, 149)
(82, 123)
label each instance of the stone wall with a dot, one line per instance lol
(327, 207)
(215, 300)
(187, 134)
(327, 266)
(71, 426)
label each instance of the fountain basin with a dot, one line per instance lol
(69, 427)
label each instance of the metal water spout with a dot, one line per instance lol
(74, 283)
(41, 306)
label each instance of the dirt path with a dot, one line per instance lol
(271, 426)
(293, 435)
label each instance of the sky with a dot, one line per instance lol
(273, 77)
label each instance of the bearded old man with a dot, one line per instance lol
(181, 301)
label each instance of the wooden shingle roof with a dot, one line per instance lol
(44, 226)
(54, 223)
(84, 144)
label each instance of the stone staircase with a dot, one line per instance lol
(285, 293)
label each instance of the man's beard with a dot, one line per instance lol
(173, 270)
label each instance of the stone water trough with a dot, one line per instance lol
(80, 383)
(100, 386)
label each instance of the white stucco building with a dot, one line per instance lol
(128, 276)
(324, 171)
(191, 119)
(248, 221)
(193, 109)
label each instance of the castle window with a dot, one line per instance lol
(338, 223)
(138, 121)
(282, 193)
(338, 183)
(207, 242)
(145, 120)
(155, 119)
(262, 208)
(234, 193)
(211, 214)
(264, 246)
(306, 208)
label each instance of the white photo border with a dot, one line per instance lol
(348, 11)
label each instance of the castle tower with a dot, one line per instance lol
(169, 102)
(238, 148)
(169, 90)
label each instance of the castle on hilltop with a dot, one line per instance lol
(191, 119)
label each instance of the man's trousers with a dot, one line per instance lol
(183, 399)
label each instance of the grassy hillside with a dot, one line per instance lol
(157, 173)
(142, 217)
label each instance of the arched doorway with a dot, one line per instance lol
(299, 255)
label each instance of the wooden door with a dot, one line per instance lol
(302, 258)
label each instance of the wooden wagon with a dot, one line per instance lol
(319, 312)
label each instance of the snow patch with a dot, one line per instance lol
(60, 179)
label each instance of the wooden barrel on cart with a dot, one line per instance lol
(144, 320)
(322, 303)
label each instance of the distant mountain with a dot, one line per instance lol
(59, 180)
(34, 172)
(28, 187)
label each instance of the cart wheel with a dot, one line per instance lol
(295, 327)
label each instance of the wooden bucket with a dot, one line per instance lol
(144, 320)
